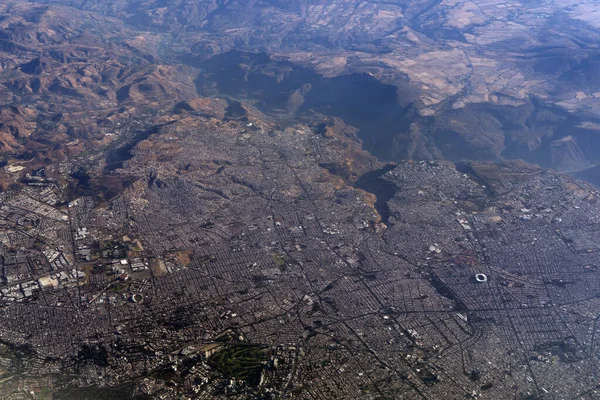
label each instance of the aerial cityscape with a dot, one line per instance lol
(299, 200)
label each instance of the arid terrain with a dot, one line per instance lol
(450, 80)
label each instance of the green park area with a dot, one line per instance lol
(240, 362)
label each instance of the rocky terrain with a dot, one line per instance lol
(488, 80)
